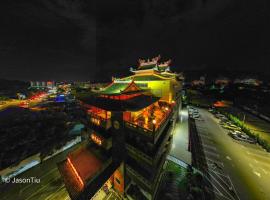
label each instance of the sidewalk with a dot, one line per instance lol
(180, 143)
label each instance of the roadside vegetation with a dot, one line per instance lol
(241, 124)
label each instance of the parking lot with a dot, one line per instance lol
(236, 167)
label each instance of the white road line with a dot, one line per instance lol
(225, 176)
(228, 158)
(225, 190)
(209, 147)
(233, 188)
(221, 174)
(215, 161)
(257, 173)
(211, 153)
(206, 136)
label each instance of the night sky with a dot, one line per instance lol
(88, 40)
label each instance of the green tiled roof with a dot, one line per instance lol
(146, 78)
(115, 88)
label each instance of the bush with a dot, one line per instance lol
(239, 123)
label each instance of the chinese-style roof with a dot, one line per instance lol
(120, 88)
(165, 65)
(148, 64)
(148, 77)
(132, 104)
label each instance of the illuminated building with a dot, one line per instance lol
(42, 84)
(128, 136)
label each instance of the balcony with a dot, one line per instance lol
(150, 156)
(100, 121)
(151, 122)
(101, 140)
(147, 181)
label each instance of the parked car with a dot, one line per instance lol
(238, 135)
(231, 127)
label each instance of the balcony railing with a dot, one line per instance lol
(150, 160)
(151, 185)
(154, 133)
(99, 121)
(135, 175)
(134, 152)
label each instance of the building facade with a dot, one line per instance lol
(128, 135)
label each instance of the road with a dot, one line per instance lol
(9, 103)
(180, 143)
(17, 102)
(237, 166)
(51, 186)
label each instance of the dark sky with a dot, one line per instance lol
(87, 40)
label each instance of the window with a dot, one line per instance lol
(117, 180)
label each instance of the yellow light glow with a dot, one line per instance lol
(76, 173)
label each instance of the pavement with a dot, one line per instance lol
(237, 170)
(50, 187)
(180, 142)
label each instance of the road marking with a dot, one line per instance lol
(225, 190)
(207, 137)
(209, 147)
(222, 180)
(257, 173)
(228, 157)
(233, 188)
(215, 161)
(211, 153)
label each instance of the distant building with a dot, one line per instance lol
(42, 84)
(222, 81)
(249, 81)
(200, 82)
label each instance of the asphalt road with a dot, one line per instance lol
(10, 103)
(51, 186)
(238, 170)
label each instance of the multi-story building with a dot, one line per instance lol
(42, 84)
(128, 135)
